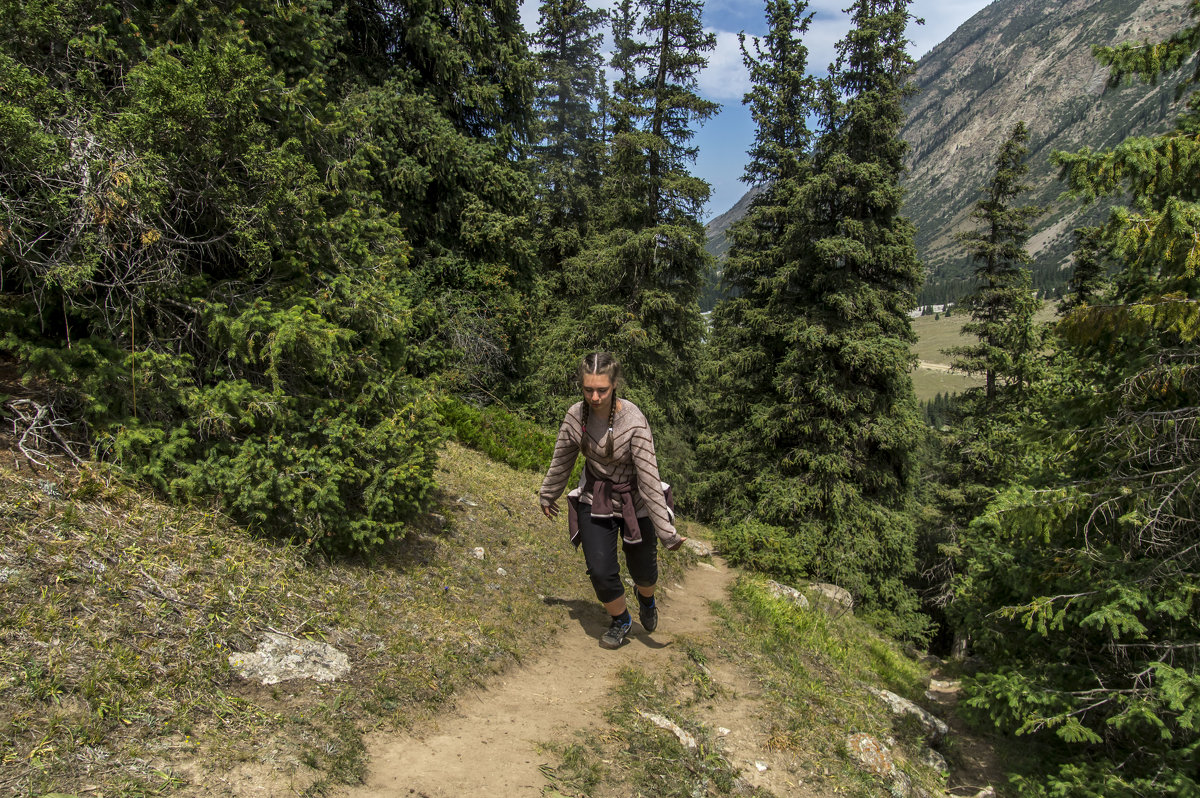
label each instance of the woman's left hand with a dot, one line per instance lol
(677, 544)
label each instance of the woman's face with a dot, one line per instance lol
(597, 392)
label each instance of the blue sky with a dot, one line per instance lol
(724, 139)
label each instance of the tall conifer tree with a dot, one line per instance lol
(634, 288)
(567, 157)
(741, 423)
(844, 422)
(1003, 304)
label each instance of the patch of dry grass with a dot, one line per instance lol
(118, 615)
(928, 383)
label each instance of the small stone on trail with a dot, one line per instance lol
(722, 731)
(761, 766)
(467, 501)
(478, 553)
(686, 739)
(502, 572)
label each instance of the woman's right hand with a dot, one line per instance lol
(550, 510)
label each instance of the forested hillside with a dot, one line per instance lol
(270, 256)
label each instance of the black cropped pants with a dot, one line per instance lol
(599, 538)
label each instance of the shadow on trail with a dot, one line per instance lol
(593, 621)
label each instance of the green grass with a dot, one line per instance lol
(936, 333)
(118, 615)
(939, 332)
(928, 383)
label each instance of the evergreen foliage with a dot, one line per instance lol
(235, 237)
(1003, 305)
(1089, 272)
(1084, 585)
(831, 423)
(449, 124)
(500, 434)
(749, 328)
(637, 282)
(568, 156)
(981, 449)
(633, 287)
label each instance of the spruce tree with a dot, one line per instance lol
(979, 452)
(633, 290)
(567, 156)
(842, 421)
(1088, 273)
(749, 328)
(1002, 306)
(451, 121)
(1083, 588)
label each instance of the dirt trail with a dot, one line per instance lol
(487, 747)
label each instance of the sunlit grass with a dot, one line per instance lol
(813, 670)
(118, 615)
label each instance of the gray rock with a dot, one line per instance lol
(935, 728)
(701, 548)
(281, 658)
(871, 755)
(934, 760)
(827, 595)
(788, 593)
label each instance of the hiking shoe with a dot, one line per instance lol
(648, 616)
(615, 636)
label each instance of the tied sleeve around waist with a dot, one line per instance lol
(602, 504)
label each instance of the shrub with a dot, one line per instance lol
(498, 433)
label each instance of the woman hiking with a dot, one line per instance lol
(620, 495)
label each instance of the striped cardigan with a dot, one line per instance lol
(632, 460)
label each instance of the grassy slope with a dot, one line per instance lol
(118, 615)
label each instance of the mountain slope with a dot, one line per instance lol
(1017, 60)
(1023, 60)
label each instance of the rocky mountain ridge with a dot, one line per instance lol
(1031, 61)
(1018, 60)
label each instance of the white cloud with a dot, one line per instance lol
(726, 77)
